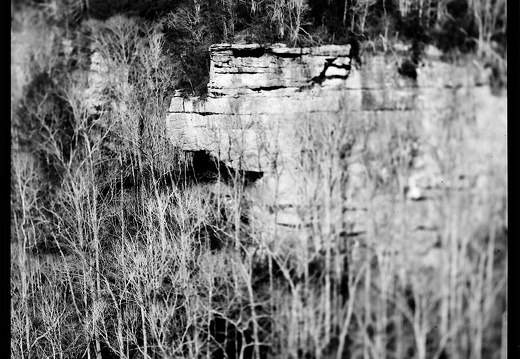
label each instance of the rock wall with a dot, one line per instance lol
(260, 97)
(258, 93)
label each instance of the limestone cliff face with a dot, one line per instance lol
(257, 94)
(445, 125)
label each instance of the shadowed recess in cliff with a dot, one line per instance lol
(254, 52)
(205, 168)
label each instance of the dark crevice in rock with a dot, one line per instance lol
(322, 76)
(256, 52)
(388, 109)
(206, 168)
(351, 234)
(267, 88)
(198, 113)
(342, 77)
(288, 55)
(207, 113)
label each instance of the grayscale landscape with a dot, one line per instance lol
(256, 179)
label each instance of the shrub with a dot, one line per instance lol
(458, 29)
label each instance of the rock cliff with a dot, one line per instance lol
(445, 125)
(256, 93)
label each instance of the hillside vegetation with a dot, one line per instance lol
(123, 246)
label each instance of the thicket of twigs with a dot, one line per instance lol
(117, 251)
(190, 26)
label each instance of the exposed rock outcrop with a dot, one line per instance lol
(258, 93)
(260, 97)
